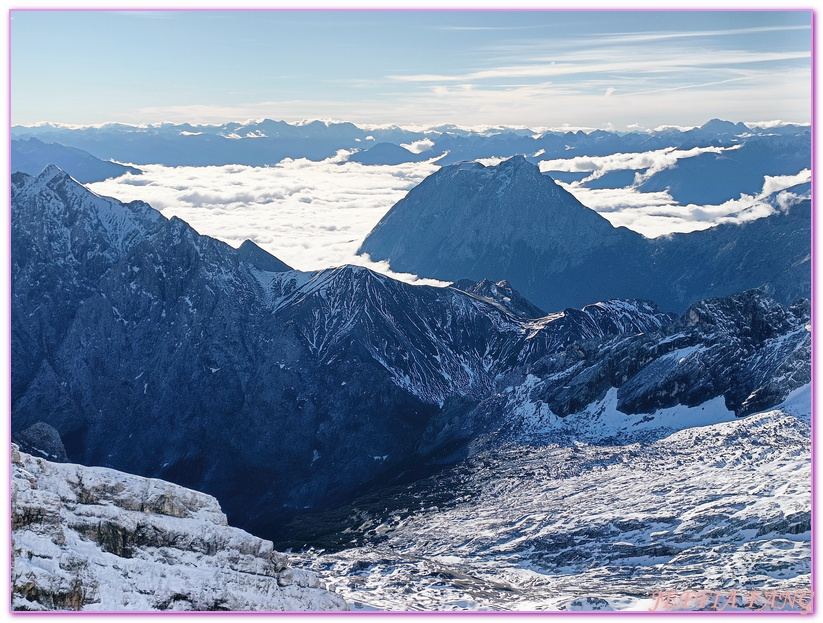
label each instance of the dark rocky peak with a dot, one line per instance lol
(751, 314)
(560, 330)
(50, 172)
(501, 295)
(619, 316)
(516, 163)
(342, 282)
(260, 258)
(746, 348)
(500, 222)
(66, 220)
(719, 126)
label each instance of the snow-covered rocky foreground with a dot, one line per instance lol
(90, 538)
(579, 527)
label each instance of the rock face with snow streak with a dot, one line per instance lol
(157, 351)
(86, 538)
(722, 359)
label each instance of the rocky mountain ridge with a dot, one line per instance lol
(157, 351)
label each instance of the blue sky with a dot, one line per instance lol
(528, 68)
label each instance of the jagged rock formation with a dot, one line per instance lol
(43, 440)
(88, 538)
(160, 352)
(722, 359)
(511, 222)
(501, 294)
(157, 351)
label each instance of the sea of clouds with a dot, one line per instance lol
(314, 215)
(311, 215)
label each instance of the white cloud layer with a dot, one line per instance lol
(313, 215)
(652, 161)
(418, 147)
(656, 214)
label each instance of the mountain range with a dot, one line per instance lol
(266, 142)
(32, 156)
(151, 349)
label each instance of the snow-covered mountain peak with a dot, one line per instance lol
(49, 173)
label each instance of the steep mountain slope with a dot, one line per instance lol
(157, 351)
(154, 350)
(32, 156)
(510, 222)
(771, 253)
(94, 539)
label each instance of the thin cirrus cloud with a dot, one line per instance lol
(628, 77)
(571, 66)
(532, 68)
(622, 79)
(662, 36)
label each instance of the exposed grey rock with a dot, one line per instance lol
(41, 439)
(86, 538)
(157, 351)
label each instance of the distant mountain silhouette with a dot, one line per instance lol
(388, 153)
(32, 156)
(712, 179)
(266, 142)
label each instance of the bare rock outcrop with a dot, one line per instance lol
(92, 538)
